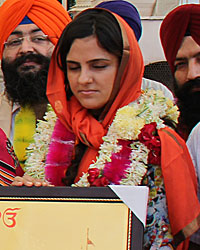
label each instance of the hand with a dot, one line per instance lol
(29, 181)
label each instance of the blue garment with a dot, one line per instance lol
(26, 20)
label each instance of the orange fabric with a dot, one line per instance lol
(76, 118)
(180, 181)
(49, 15)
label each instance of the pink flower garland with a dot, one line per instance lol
(61, 150)
(115, 170)
(59, 154)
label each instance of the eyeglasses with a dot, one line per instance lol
(14, 43)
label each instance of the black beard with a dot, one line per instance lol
(24, 87)
(189, 103)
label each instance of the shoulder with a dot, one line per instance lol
(193, 144)
(147, 83)
(195, 131)
(193, 140)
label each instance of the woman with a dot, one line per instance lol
(94, 86)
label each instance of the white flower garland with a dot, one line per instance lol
(37, 151)
(127, 124)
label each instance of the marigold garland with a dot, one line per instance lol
(24, 131)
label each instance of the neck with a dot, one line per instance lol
(96, 113)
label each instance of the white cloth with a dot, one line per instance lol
(147, 83)
(193, 144)
(5, 115)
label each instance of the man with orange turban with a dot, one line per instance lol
(29, 31)
(180, 37)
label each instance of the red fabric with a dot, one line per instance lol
(19, 171)
(184, 245)
(4, 155)
(174, 26)
(8, 161)
(49, 15)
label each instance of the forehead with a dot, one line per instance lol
(25, 29)
(87, 48)
(188, 48)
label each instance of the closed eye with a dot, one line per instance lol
(99, 66)
(73, 66)
(14, 42)
(39, 38)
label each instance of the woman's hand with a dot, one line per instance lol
(29, 181)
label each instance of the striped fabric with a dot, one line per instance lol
(8, 161)
(7, 174)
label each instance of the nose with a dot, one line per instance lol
(193, 69)
(26, 46)
(84, 76)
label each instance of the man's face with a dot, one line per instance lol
(32, 44)
(188, 96)
(25, 63)
(187, 63)
(187, 82)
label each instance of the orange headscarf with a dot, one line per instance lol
(76, 118)
(180, 185)
(178, 171)
(49, 15)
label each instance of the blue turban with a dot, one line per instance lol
(127, 11)
(26, 20)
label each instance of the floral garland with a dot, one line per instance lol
(37, 151)
(128, 163)
(129, 146)
(59, 155)
(24, 130)
(131, 142)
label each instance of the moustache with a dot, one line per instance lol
(37, 58)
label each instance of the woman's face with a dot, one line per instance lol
(91, 72)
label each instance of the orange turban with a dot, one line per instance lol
(174, 26)
(49, 15)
